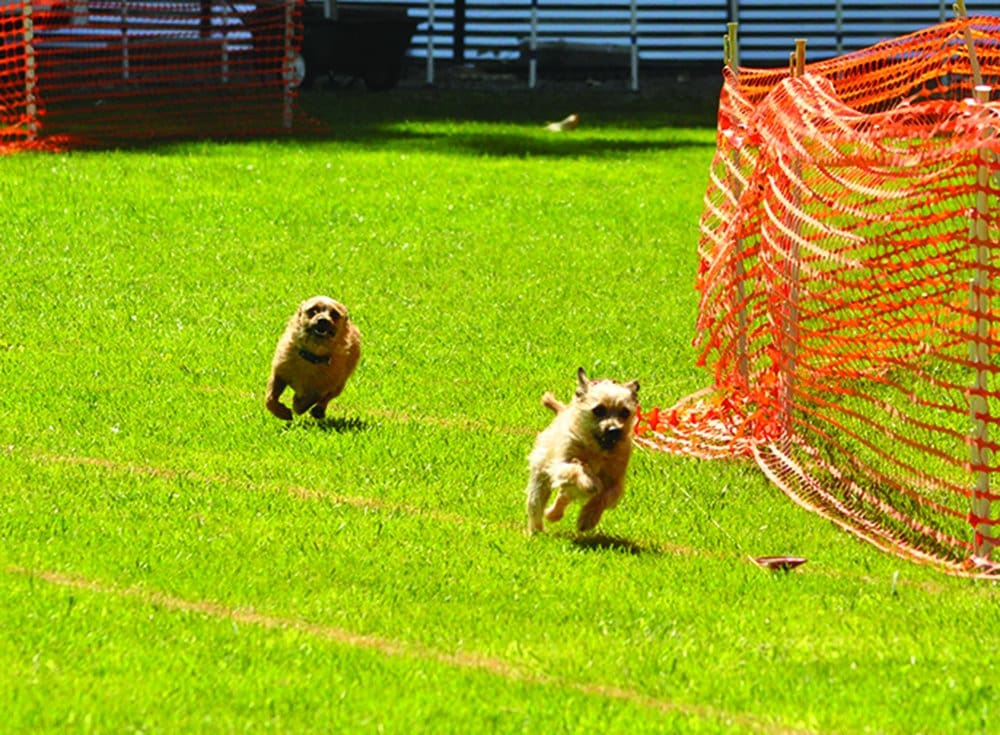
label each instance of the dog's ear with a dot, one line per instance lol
(634, 387)
(582, 383)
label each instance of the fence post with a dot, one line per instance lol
(533, 47)
(288, 60)
(634, 45)
(458, 35)
(839, 13)
(30, 78)
(733, 11)
(970, 45)
(225, 42)
(731, 58)
(790, 337)
(979, 354)
(125, 60)
(430, 42)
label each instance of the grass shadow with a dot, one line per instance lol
(604, 542)
(344, 425)
(614, 123)
(337, 425)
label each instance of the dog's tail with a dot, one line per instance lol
(553, 404)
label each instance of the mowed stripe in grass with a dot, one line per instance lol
(382, 505)
(397, 577)
(393, 648)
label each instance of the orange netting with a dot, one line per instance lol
(93, 72)
(847, 272)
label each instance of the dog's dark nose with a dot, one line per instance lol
(324, 326)
(611, 437)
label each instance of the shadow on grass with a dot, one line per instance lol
(612, 123)
(342, 425)
(603, 542)
(515, 145)
(337, 425)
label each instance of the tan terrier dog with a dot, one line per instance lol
(584, 452)
(315, 356)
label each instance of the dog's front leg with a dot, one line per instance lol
(319, 410)
(575, 474)
(303, 401)
(275, 387)
(539, 491)
(613, 494)
(590, 514)
(556, 511)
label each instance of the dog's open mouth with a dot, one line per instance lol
(322, 328)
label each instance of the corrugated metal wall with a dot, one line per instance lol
(671, 32)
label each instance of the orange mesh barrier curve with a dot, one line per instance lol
(848, 269)
(99, 72)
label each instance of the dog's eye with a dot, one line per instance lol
(624, 414)
(312, 310)
(600, 412)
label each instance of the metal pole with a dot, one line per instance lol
(634, 46)
(533, 47)
(430, 42)
(458, 42)
(125, 60)
(225, 42)
(839, 11)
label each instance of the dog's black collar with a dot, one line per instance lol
(313, 357)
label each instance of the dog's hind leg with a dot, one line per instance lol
(538, 493)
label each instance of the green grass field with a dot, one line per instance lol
(174, 559)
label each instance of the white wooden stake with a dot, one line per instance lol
(731, 57)
(979, 302)
(970, 45)
(791, 335)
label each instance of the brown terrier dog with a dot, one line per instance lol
(584, 452)
(315, 356)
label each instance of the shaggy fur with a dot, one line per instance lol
(315, 356)
(584, 452)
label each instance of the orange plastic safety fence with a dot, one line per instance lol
(848, 273)
(98, 72)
